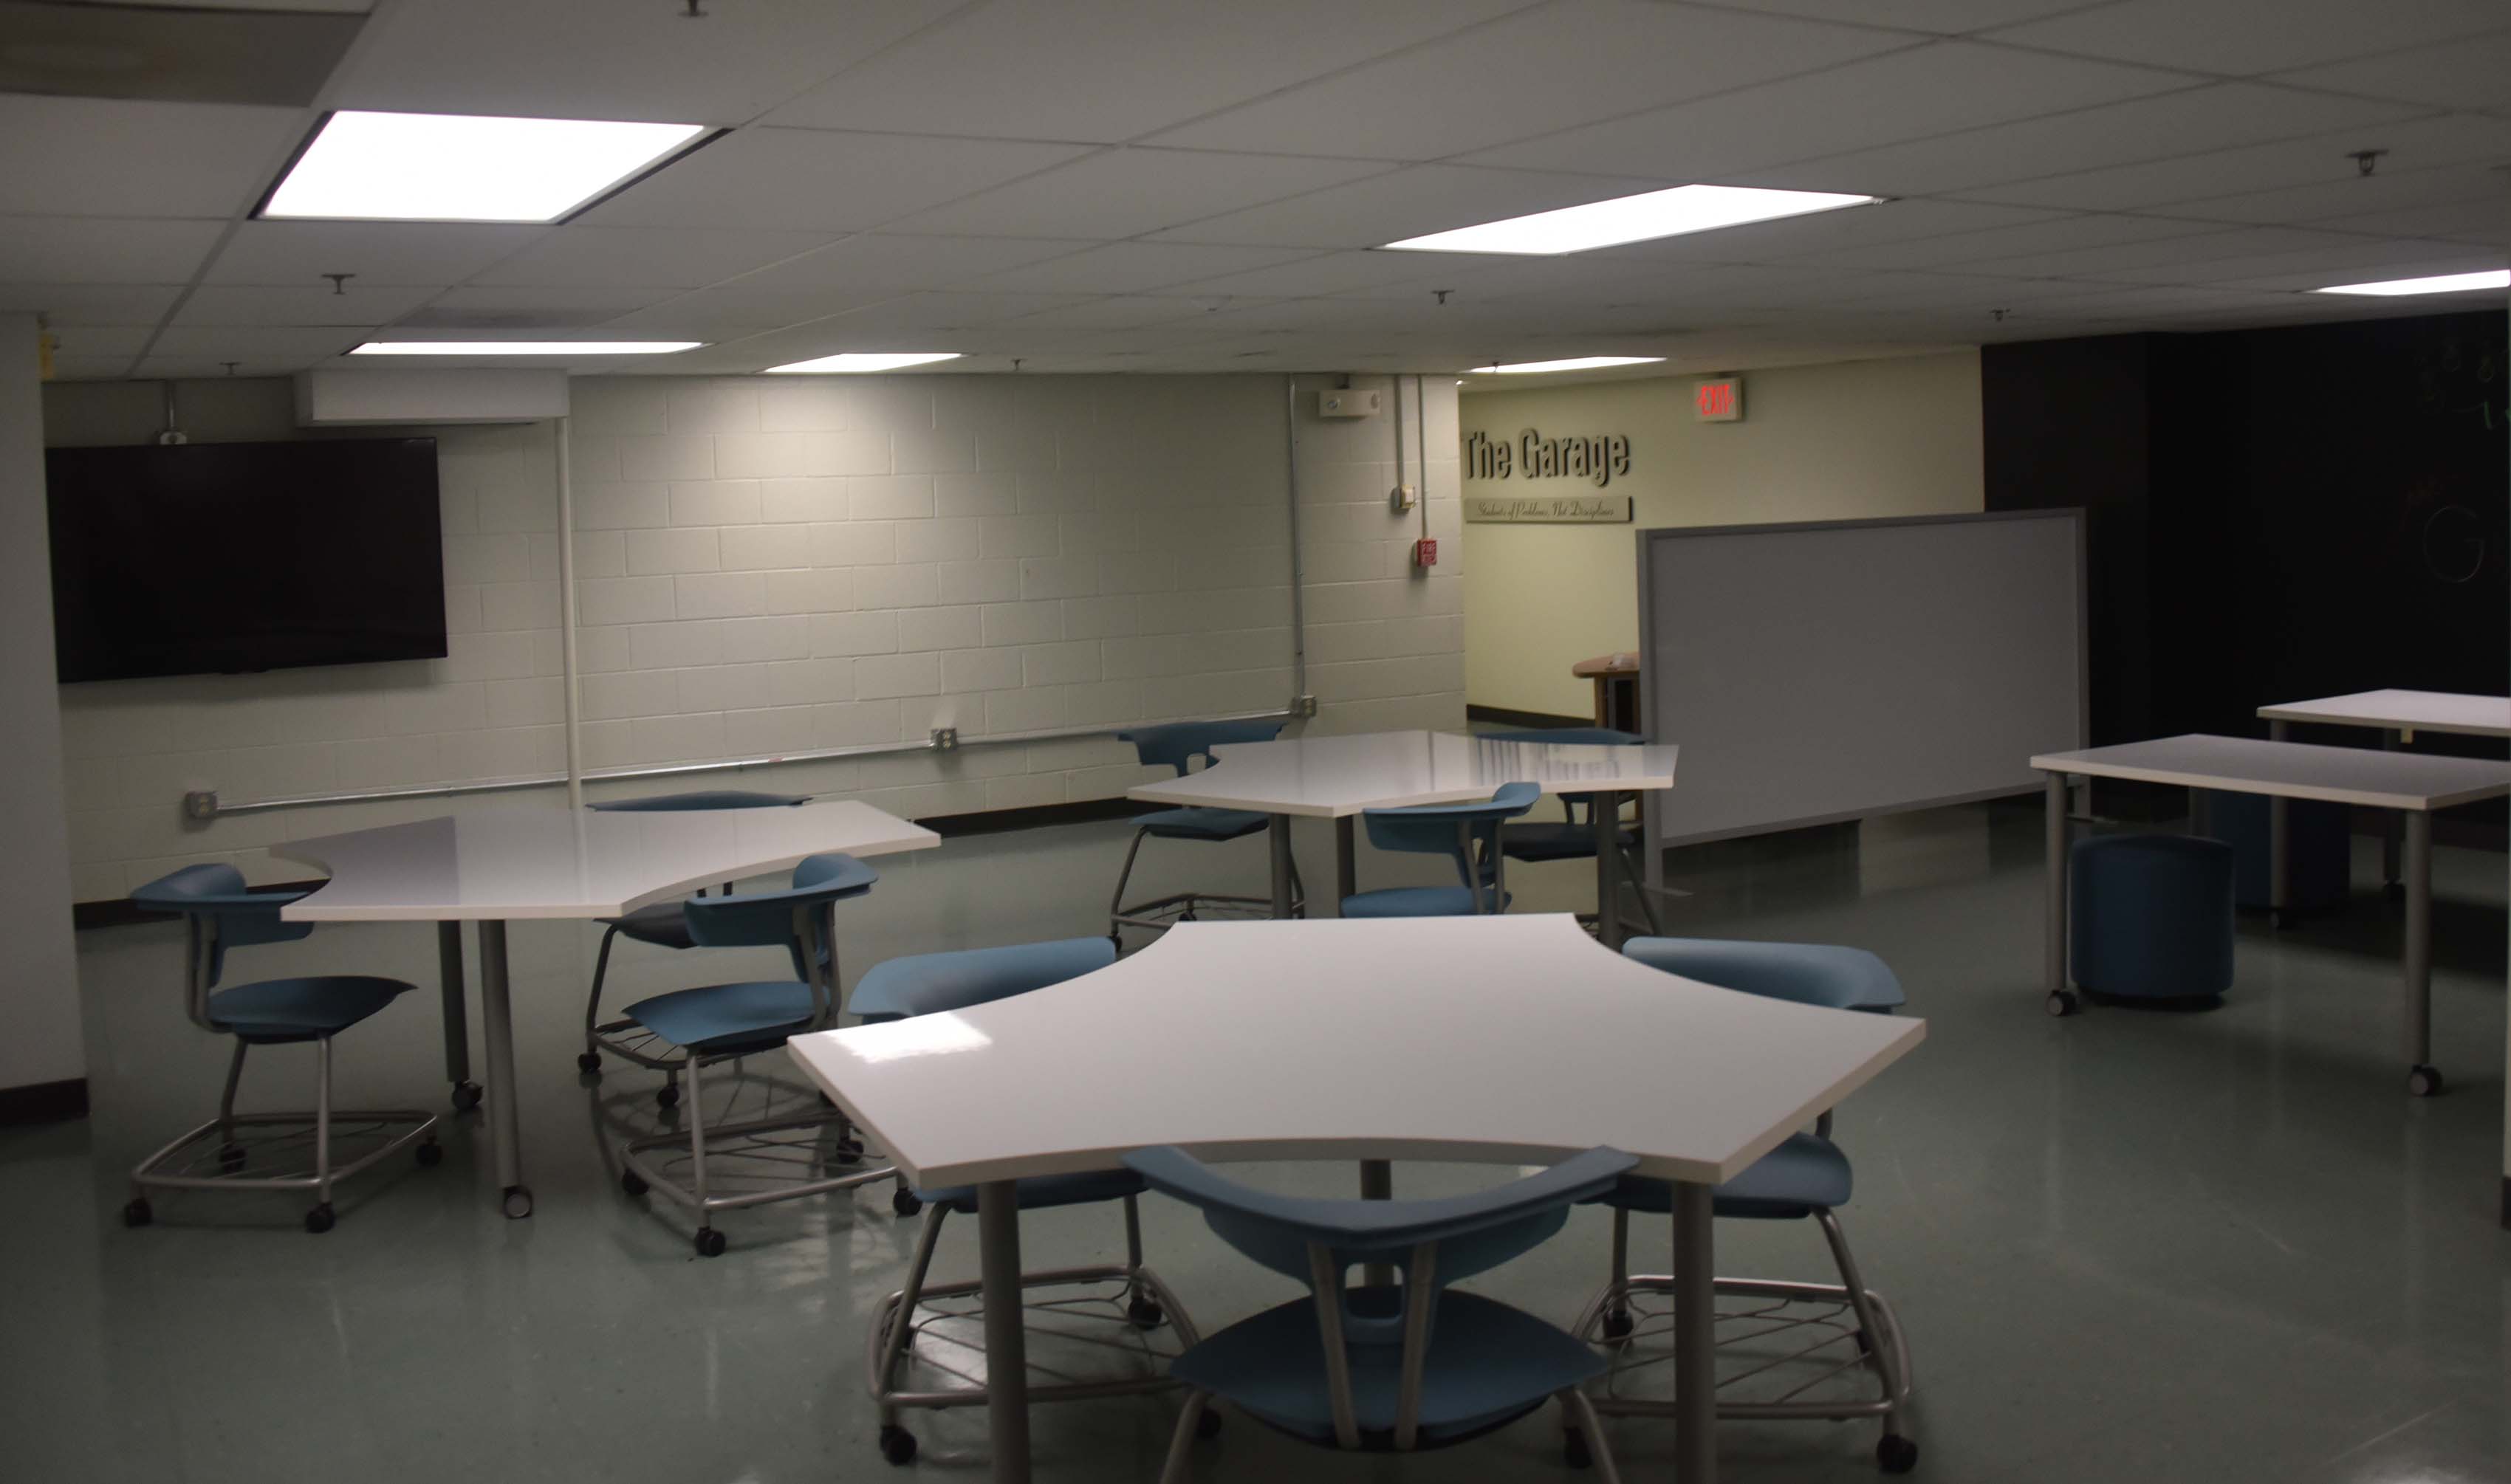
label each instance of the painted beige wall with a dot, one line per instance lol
(1820, 442)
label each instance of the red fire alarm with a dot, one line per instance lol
(1426, 553)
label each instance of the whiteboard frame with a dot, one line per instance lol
(1650, 655)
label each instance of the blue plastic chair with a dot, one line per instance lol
(1175, 747)
(724, 1022)
(661, 925)
(220, 914)
(1806, 1176)
(934, 983)
(1467, 834)
(1389, 1368)
(1573, 837)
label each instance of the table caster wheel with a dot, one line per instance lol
(319, 1220)
(1145, 1313)
(632, 1183)
(466, 1096)
(1573, 1449)
(903, 1202)
(668, 1095)
(1208, 1424)
(230, 1159)
(137, 1213)
(430, 1155)
(2423, 1081)
(898, 1445)
(518, 1202)
(1896, 1454)
(710, 1243)
(589, 1061)
(2061, 1003)
(1617, 1324)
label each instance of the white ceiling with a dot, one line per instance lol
(1143, 186)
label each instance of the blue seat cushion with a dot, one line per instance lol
(1201, 824)
(1556, 840)
(2150, 916)
(663, 924)
(275, 1011)
(924, 983)
(1042, 1191)
(1488, 1364)
(1832, 975)
(1805, 1174)
(719, 1018)
(1417, 901)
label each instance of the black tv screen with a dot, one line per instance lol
(174, 561)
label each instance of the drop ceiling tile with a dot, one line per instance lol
(230, 304)
(1406, 203)
(1117, 312)
(89, 303)
(1122, 193)
(2352, 197)
(2470, 73)
(1542, 69)
(2313, 268)
(2474, 220)
(1328, 273)
(2252, 36)
(291, 252)
(1111, 70)
(255, 342)
(1929, 89)
(90, 367)
(714, 314)
(685, 257)
(331, 7)
(2413, 145)
(2061, 234)
(99, 342)
(2219, 117)
(811, 180)
(601, 59)
(1796, 237)
(898, 263)
(90, 157)
(1949, 17)
(99, 249)
(2146, 304)
(214, 367)
(565, 303)
(1135, 268)
(939, 313)
(2170, 255)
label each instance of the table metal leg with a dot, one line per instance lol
(496, 1014)
(2060, 1001)
(458, 1016)
(1695, 1336)
(1281, 840)
(2422, 1078)
(2279, 869)
(998, 1263)
(1605, 812)
(1344, 863)
(1377, 1183)
(2390, 742)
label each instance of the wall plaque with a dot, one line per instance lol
(1548, 510)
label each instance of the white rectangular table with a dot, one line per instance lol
(2410, 784)
(1341, 778)
(538, 861)
(2397, 715)
(1498, 1040)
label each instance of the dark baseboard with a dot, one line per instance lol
(2506, 1203)
(43, 1102)
(1506, 717)
(994, 821)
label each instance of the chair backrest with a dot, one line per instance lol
(1456, 831)
(1827, 975)
(708, 798)
(1594, 736)
(1178, 743)
(222, 913)
(1437, 1242)
(950, 981)
(801, 916)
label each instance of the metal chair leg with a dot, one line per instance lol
(1116, 903)
(1591, 1428)
(226, 1099)
(593, 1002)
(1638, 889)
(322, 1119)
(696, 1104)
(1879, 1348)
(1181, 1442)
(902, 1318)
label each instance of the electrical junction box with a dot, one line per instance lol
(1348, 401)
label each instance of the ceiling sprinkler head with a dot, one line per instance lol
(2366, 159)
(340, 282)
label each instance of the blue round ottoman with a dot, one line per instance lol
(2150, 916)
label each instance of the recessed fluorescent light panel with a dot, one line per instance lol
(861, 361)
(2449, 283)
(525, 346)
(1574, 363)
(445, 167)
(1631, 219)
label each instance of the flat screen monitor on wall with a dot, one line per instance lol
(227, 557)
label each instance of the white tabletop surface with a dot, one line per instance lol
(2407, 711)
(533, 861)
(2291, 769)
(1510, 1040)
(1331, 776)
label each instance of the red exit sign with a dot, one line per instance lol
(1718, 402)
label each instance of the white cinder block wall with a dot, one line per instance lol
(776, 566)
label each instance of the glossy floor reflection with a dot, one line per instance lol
(2135, 1245)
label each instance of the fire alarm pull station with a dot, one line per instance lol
(1426, 553)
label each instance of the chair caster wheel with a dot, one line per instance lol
(898, 1445)
(2423, 1081)
(2061, 1003)
(588, 1061)
(632, 1183)
(668, 1095)
(1573, 1449)
(1617, 1324)
(710, 1243)
(1208, 1425)
(466, 1096)
(319, 1220)
(430, 1155)
(1896, 1454)
(1146, 1313)
(518, 1203)
(230, 1159)
(903, 1202)
(137, 1213)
